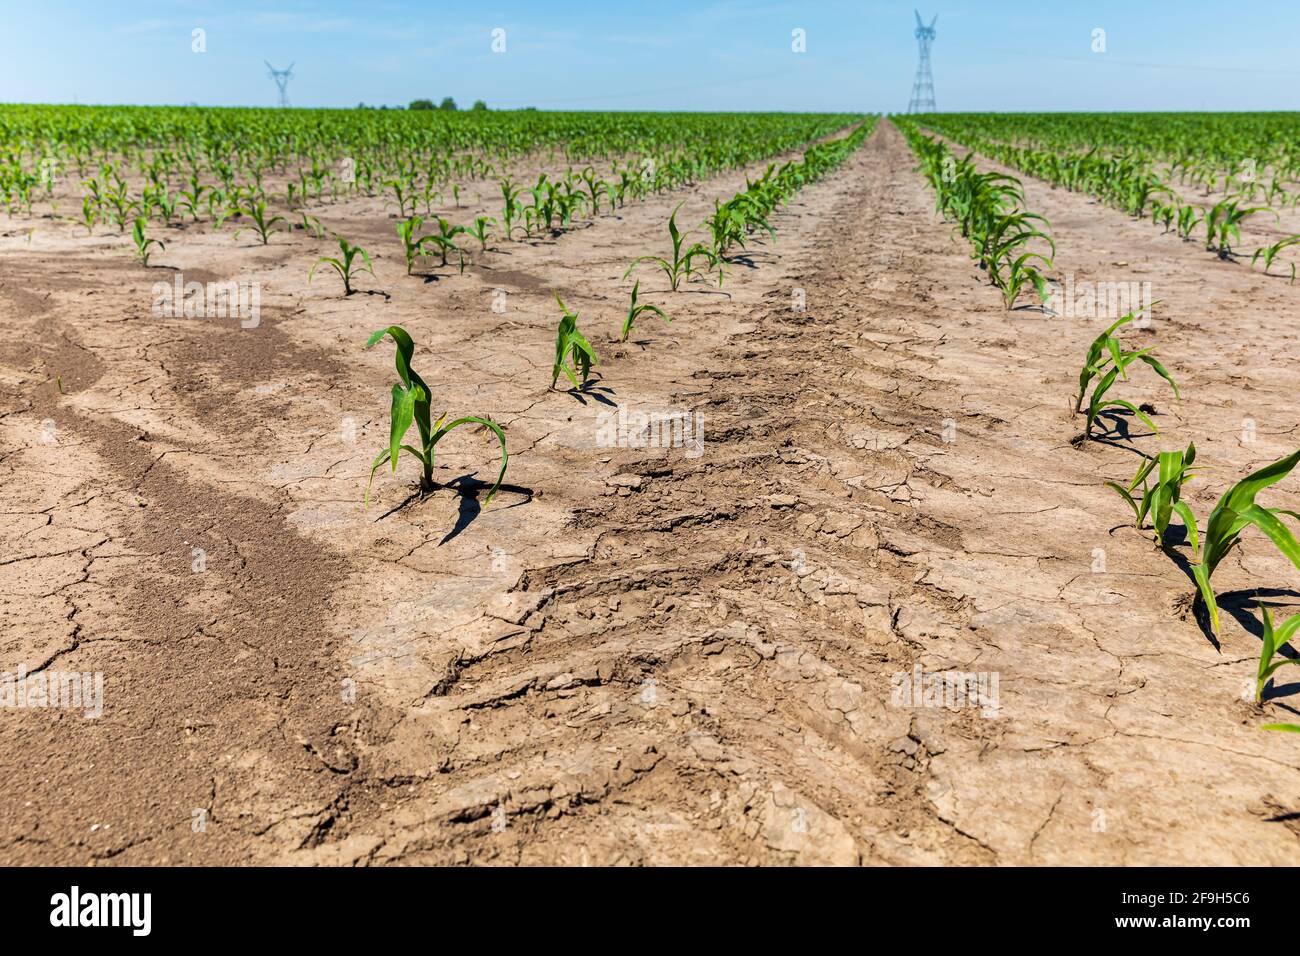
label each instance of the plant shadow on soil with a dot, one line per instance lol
(1240, 604)
(601, 394)
(1120, 425)
(469, 488)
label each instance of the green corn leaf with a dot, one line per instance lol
(1183, 511)
(1162, 372)
(1202, 576)
(1121, 403)
(1123, 493)
(1242, 495)
(492, 427)
(1277, 532)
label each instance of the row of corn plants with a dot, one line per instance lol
(1140, 182)
(733, 223)
(575, 357)
(1155, 493)
(1010, 244)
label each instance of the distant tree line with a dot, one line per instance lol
(447, 104)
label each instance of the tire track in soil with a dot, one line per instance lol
(221, 701)
(711, 685)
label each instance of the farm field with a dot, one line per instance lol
(812, 561)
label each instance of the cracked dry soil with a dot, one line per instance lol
(631, 655)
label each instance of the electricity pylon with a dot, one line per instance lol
(282, 78)
(923, 85)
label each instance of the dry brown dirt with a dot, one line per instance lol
(631, 655)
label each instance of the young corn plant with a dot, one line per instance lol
(1272, 643)
(1019, 274)
(404, 195)
(1188, 220)
(158, 198)
(143, 244)
(574, 355)
(679, 267)
(445, 241)
(89, 214)
(411, 405)
(262, 225)
(1098, 402)
(480, 230)
(190, 198)
(344, 266)
(511, 207)
(998, 248)
(1223, 223)
(1235, 512)
(635, 310)
(412, 245)
(121, 205)
(313, 225)
(1163, 500)
(1106, 360)
(1269, 253)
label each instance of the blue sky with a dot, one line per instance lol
(614, 54)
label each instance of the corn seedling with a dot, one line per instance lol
(1163, 214)
(511, 207)
(1019, 272)
(679, 267)
(445, 240)
(121, 204)
(1105, 351)
(1188, 220)
(344, 266)
(574, 355)
(1163, 500)
(157, 198)
(411, 405)
(89, 214)
(1098, 402)
(403, 195)
(311, 224)
(142, 242)
(412, 245)
(1269, 253)
(1223, 223)
(480, 230)
(261, 224)
(190, 198)
(1235, 512)
(218, 207)
(1272, 643)
(635, 310)
(594, 186)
